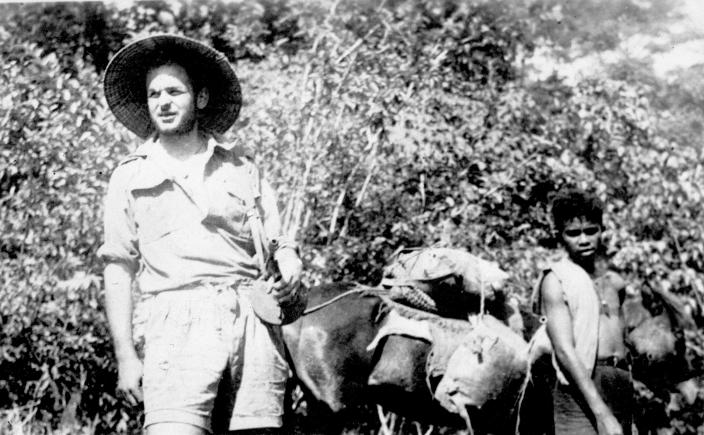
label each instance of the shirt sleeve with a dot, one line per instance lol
(120, 242)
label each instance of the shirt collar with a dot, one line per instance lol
(147, 148)
(153, 174)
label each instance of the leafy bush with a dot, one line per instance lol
(59, 148)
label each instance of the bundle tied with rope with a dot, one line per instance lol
(657, 322)
(435, 279)
(478, 364)
(487, 370)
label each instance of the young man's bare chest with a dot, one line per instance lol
(611, 323)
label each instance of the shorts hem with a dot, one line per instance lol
(242, 422)
(177, 416)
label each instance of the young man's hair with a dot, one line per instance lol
(574, 203)
(169, 58)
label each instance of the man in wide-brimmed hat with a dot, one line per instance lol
(191, 221)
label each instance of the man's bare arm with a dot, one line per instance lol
(559, 327)
(118, 306)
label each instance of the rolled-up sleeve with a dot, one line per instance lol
(120, 234)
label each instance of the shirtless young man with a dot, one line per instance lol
(581, 301)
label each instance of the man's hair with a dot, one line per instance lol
(573, 203)
(171, 58)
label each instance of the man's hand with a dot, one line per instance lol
(608, 425)
(118, 307)
(129, 378)
(290, 267)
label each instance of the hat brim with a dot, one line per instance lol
(125, 82)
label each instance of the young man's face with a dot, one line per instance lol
(581, 238)
(171, 100)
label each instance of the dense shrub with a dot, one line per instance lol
(58, 150)
(406, 124)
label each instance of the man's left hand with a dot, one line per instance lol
(290, 267)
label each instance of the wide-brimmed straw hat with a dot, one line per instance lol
(126, 88)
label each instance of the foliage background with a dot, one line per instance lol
(398, 124)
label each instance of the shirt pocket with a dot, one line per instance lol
(157, 212)
(228, 208)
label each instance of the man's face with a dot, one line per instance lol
(581, 238)
(171, 100)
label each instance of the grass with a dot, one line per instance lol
(25, 421)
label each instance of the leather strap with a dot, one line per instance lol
(254, 219)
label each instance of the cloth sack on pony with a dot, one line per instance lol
(478, 364)
(486, 372)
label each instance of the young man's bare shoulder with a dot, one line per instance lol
(550, 288)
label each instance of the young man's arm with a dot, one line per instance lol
(121, 256)
(118, 307)
(559, 328)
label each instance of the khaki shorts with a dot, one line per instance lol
(209, 361)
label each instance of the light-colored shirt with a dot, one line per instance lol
(176, 229)
(583, 305)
